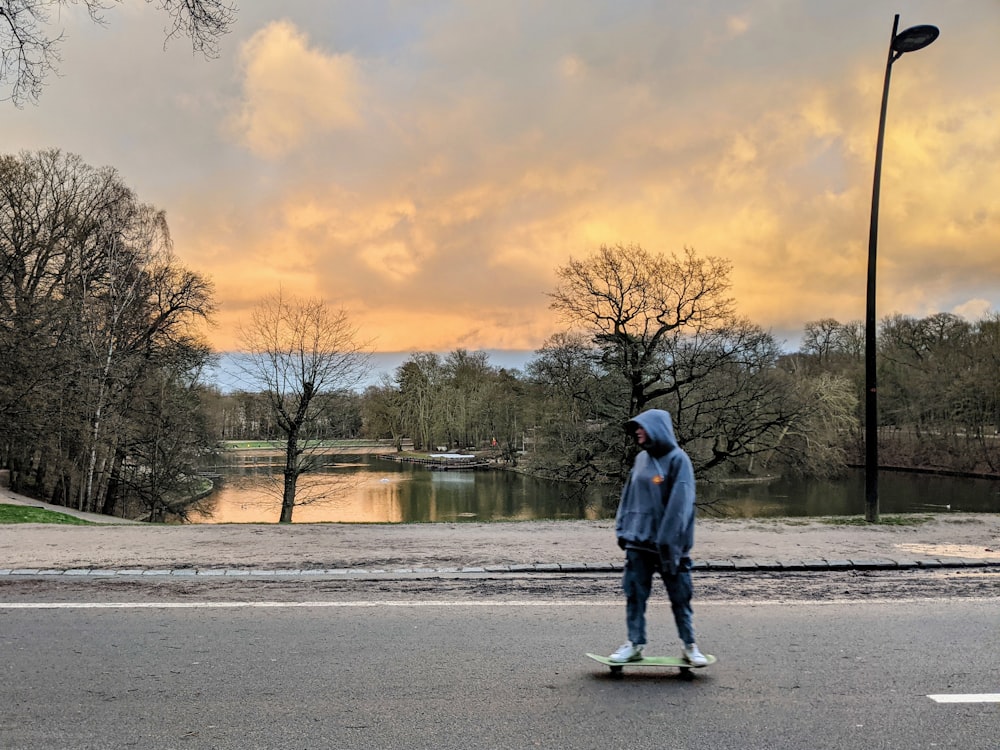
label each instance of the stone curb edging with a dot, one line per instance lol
(714, 566)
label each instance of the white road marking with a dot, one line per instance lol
(967, 698)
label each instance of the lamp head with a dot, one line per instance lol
(914, 38)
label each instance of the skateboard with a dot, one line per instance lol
(652, 661)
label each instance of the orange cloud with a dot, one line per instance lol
(291, 91)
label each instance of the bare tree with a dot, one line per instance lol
(420, 384)
(830, 345)
(660, 331)
(817, 440)
(568, 443)
(633, 301)
(29, 48)
(728, 400)
(298, 352)
(637, 307)
(382, 411)
(105, 311)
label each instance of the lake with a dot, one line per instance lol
(367, 489)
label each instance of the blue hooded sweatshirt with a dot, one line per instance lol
(656, 511)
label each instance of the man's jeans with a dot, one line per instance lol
(638, 583)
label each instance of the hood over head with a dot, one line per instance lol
(659, 429)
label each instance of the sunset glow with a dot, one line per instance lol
(428, 165)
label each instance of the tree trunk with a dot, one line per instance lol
(114, 480)
(291, 477)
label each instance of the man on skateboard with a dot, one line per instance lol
(655, 527)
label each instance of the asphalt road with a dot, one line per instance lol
(409, 667)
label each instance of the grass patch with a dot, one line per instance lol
(27, 514)
(900, 520)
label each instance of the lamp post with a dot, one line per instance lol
(909, 40)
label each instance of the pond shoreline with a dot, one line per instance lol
(929, 471)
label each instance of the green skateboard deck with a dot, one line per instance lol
(652, 661)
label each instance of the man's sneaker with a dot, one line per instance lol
(693, 656)
(627, 652)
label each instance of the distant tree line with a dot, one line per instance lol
(939, 387)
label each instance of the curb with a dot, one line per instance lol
(713, 566)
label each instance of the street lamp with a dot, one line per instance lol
(909, 40)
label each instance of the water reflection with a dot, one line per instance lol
(255, 499)
(365, 489)
(899, 492)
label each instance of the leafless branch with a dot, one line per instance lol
(203, 21)
(29, 47)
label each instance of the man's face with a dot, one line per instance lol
(640, 436)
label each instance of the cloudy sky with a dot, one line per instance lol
(428, 164)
